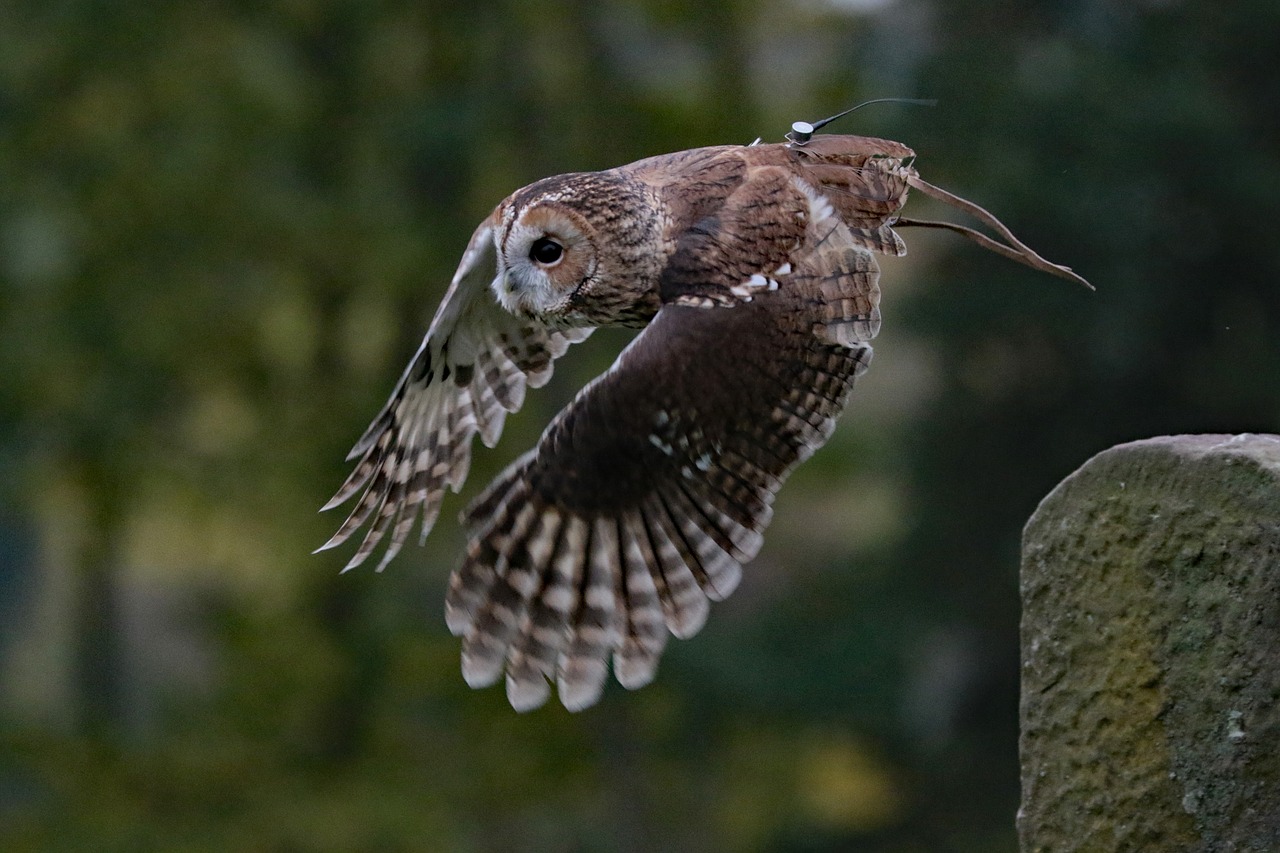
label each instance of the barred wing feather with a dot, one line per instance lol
(471, 370)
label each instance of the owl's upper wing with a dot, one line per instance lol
(777, 205)
(646, 495)
(471, 369)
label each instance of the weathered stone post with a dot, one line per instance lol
(1151, 651)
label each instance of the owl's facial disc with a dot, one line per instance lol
(545, 256)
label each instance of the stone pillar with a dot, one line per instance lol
(1151, 651)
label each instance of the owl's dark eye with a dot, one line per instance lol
(546, 251)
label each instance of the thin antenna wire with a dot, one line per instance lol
(924, 102)
(802, 131)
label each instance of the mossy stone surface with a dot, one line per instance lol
(1151, 651)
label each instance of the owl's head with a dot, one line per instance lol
(558, 242)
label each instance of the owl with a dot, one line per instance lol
(751, 271)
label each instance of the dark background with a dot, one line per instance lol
(223, 229)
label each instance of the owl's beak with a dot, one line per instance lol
(511, 295)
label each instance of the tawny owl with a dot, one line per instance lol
(752, 272)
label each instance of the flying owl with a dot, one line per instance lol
(752, 272)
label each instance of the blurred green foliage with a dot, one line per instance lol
(223, 227)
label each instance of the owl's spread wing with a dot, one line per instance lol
(646, 495)
(471, 370)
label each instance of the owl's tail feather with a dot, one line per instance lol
(1013, 248)
(549, 594)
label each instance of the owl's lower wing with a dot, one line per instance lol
(646, 495)
(471, 370)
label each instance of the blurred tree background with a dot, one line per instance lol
(223, 229)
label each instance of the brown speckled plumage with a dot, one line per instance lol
(751, 269)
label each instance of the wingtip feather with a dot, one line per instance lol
(526, 695)
(582, 684)
(481, 671)
(334, 502)
(634, 671)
